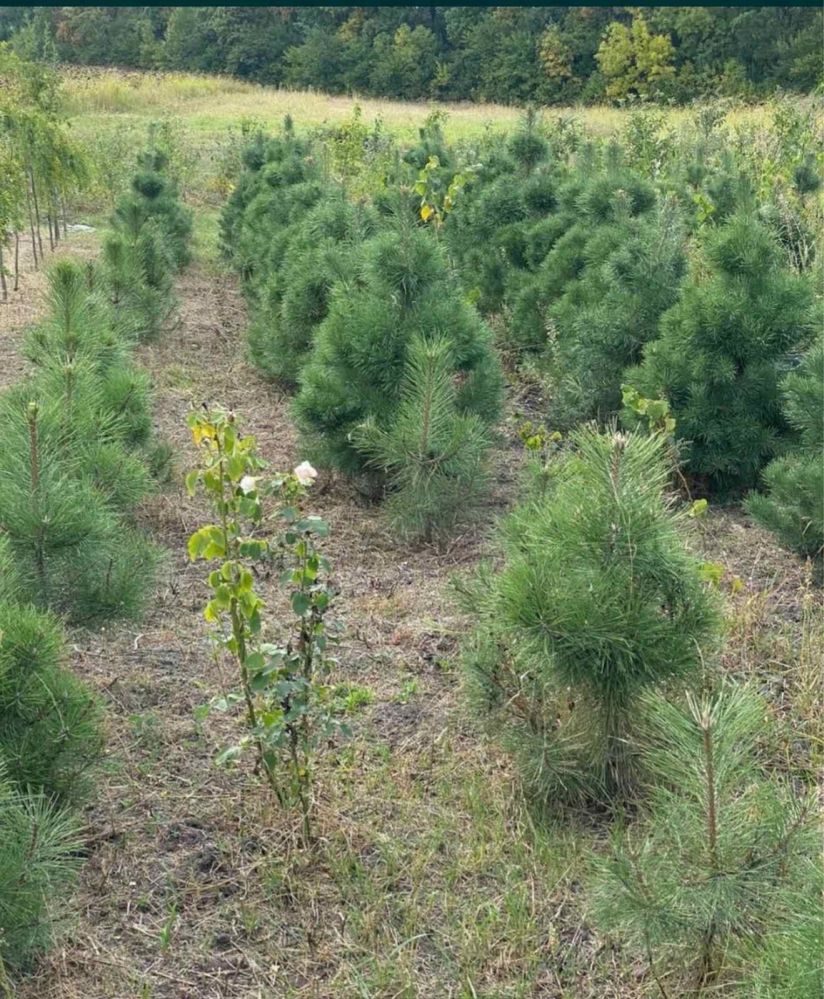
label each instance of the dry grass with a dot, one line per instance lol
(208, 103)
(117, 91)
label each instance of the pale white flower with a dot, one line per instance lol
(305, 474)
(248, 484)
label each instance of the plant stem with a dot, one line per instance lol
(34, 460)
(239, 629)
(306, 649)
(616, 751)
(707, 971)
(31, 226)
(305, 805)
(36, 211)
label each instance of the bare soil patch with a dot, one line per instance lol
(25, 304)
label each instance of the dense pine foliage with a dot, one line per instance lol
(79, 457)
(597, 601)
(722, 348)
(793, 506)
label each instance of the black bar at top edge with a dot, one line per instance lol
(466, 3)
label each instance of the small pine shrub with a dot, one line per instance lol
(501, 228)
(155, 196)
(77, 325)
(50, 724)
(323, 249)
(718, 359)
(309, 275)
(433, 455)
(125, 393)
(598, 600)
(270, 223)
(605, 316)
(281, 183)
(358, 364)
(722, 851)
(148, 241)
(585, 296)
(39, 855)
(137, 271)
(252, 158)
(793, 505)
(526, 145)
(93, 402)
(73, 552)
(431, 142)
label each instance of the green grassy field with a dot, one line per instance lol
(112, 110)
(206, 104)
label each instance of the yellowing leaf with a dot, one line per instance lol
(698, 508)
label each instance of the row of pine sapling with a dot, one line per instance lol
(594, 663)
(593, 659)
(356, 309)
(583, 256)
(687, 284)
(79, 458)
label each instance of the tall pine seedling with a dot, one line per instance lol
(721, 857)
(722, 348)
(598, 600)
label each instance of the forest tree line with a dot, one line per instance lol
(549, 55)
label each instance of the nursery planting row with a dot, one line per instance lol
(78, 458)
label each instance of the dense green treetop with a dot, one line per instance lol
(505, 54)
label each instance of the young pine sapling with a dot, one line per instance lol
(722, 855)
